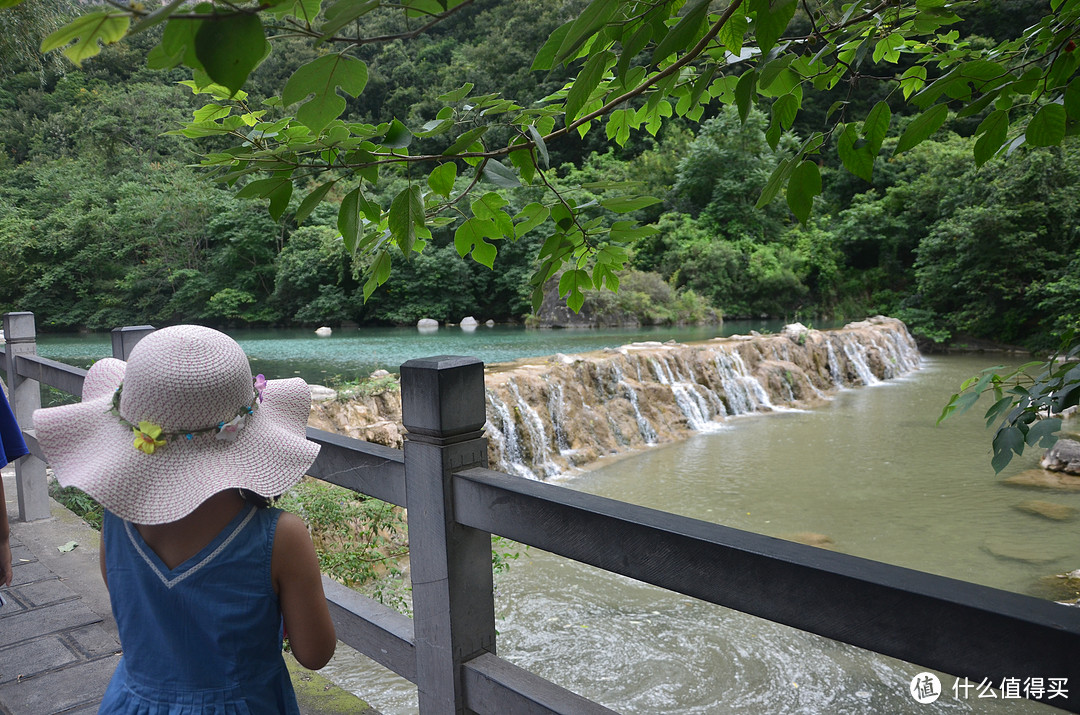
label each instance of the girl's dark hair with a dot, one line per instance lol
(257, 499)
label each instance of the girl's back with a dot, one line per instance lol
(203, 636)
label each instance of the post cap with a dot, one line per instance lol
(443, 396)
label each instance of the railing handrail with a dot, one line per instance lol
(961, 624)
(953, 626)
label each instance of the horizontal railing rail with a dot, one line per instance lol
(455, 504)
(953, 626)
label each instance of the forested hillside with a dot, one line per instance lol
(106, 220)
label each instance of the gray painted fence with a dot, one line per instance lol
(455, 504)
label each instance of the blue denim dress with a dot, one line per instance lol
(204, 637)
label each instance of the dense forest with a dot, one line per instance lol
(106, 219)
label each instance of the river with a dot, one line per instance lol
(869, 470)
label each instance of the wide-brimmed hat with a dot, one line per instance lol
(180, 421)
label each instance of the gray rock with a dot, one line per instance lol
(321, 393)
(1064, 456)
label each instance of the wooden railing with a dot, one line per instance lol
(455, 504)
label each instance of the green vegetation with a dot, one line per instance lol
(777, 158)
(78, 502)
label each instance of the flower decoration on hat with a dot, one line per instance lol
(229, 431)
(260, 385)
(150, 436)
(146, 437)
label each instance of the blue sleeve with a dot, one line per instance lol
(12, 445)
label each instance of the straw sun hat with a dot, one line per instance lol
(180, 421)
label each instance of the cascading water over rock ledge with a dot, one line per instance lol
(547, 417)
(568, 411)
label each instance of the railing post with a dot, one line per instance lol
(124, 339)
(444, 410)
(31, 484)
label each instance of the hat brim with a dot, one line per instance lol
(90, 448)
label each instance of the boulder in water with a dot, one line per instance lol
(323, 332)
(427, 325)
(812, 538)
(796, 333)
(1048, 510)
(1045, 479)
(1064, 456)
(321, 393)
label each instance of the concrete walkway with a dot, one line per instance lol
(58, 640)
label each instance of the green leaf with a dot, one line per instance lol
(523, 160)
(530, 217)
(785, 109)
(803, 186)
(321, 77)
(1006, 441)
(685, 32)
(731, 34)
(992, 133)
(463, 142)
(9, 3)
(922, 127)
(157, 16)
(379, 273)
(630, 231)
(500, 175)
(876, 126)
(341, 13)
(441, 179)
(261, 188)
(545, 57)
(913, 79)
(772, 19)
(626, 204)
(229, 47)
(397, 136)
(571, 285)
(587, 80)
(1047, 127)
(591, 19)
(776, 180)
(541, 147)
(406, 217)
(457, 95)
(86, 31)
(279, 199)
(312, 200)
(1041, 433)
(1072, 99)
(744, 90)
(348, 222)
(470, 236)
(859, 161)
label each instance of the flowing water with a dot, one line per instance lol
(868, 469)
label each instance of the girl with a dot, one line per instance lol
(182, 448)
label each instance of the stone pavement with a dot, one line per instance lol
(58, 640)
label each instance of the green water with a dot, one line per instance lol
(351, 353)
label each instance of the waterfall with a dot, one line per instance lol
(572, 412)
(745, 394)
(534, 428)
(557, 410)
(506, 438)
(647, 432)
(856, 355)
(693, 406)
